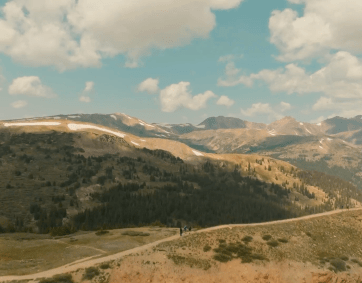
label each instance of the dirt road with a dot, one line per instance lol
(91, 262)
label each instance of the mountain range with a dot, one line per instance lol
(332, 146)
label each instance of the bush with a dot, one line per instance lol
(90, 272)
(60, 231)
(101, 232)
(345, 258)
(60, 278)
(207, 248)
(134, 233)
(338, 264)
(283, 240)
(273, 243)
(247, 239)
(267, 237)
(105, 266)
(308, 234)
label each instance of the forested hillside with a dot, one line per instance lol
(49, 185)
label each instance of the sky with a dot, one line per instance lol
(167, 61)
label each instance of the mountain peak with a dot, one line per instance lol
(222, 122)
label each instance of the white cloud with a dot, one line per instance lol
(84, 98)
(177, 95)
(30, 86)
(318, 120)
(150, 85)
(284, 106)
(19, 104)
(258, 109)
(224, 100)
(341, 77)
(231, 72)
(340, 106)
(325, 25)
(69, 34)
(89, 86)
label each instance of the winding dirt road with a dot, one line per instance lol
(84, 263)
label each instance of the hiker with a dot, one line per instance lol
(185, 228)
(190, 229)
(348, 206)
(180, 231)
(342, 206)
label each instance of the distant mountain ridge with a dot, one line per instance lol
(222, 122)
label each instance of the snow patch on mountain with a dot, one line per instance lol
(143, 140)
(114, 117)
(76, 127)
(74, 116)
(32, 124)
(135, 143)
(200, 126)
(307, 130)
(321, 147)
(197, 153)
(329, 139)
(301, 123)
(319, 124)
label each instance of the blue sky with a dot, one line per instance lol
(256, 60)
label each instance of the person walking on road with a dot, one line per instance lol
(190, 229)
(180, 231)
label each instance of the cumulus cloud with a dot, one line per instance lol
(284, 106)
(231, 73)
(150, 85)
(177, 95)
(341, 77)
(84, 99)
(69, 34)
(19, 104)
(325, 25)
(88, 89)
(224, 100)
(259, 109)
(89, 86)
(340, 106)
(30, 86)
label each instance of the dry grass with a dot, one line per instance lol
(20, 255)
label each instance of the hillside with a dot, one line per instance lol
(61, 170)
(317, 248)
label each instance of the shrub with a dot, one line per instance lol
(134, 233)
(267, 237)
(101, 232)
(60, 231)
(247, 239)
(283, 240)
(60, 278)
(207, 248)
(338, 264)
(104, 266)
(308, 234)
(273, 243)
(90, 273)
(343, 257)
